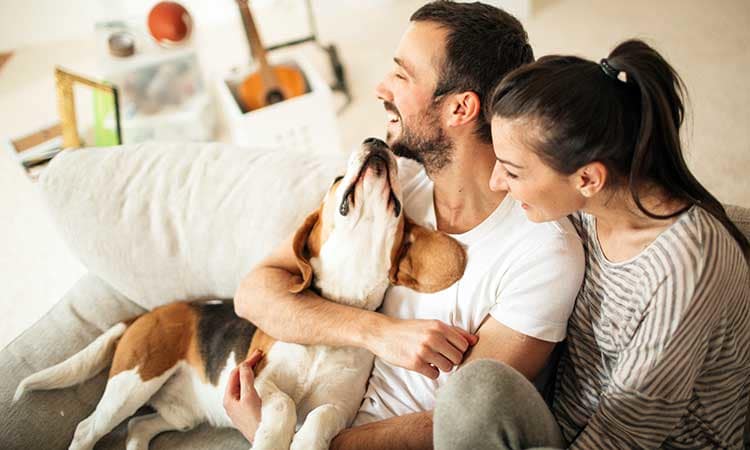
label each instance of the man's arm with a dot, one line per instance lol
(412, 431)
(524, 353)
(264, 299)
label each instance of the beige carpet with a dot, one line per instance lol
(706, 41)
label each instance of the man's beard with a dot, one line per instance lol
(433, 150)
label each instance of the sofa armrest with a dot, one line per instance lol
(48, 419)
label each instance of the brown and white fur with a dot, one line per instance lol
(177, 358)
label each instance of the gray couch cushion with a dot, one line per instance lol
(47, 419)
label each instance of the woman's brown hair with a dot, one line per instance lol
(624, 112)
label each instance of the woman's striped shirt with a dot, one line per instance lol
(659, 345)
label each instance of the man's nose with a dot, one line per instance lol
(497, 179)
(382, 92)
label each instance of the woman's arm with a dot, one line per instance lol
(654, 378)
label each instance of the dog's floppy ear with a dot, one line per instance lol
(300, 251)
(428, 261)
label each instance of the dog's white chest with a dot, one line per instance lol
(316, 375)
(353, 272)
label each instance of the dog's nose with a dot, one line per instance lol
(374, 141)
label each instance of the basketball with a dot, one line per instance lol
(169, 23)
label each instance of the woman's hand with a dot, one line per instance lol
(424, 346)
(241, 400)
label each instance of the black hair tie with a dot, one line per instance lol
(612, 72)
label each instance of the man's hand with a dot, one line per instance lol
(424, 346)
(241, 400)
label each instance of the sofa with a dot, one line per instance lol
(154, 223)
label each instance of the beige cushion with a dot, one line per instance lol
(741, 217)
(166, 221)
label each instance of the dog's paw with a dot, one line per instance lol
(20, 390)
(136, 444)
(136, 440)
(82, 438)
(307, 442)
(268, 445)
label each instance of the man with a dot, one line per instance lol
(521, 278)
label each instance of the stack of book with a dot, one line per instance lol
(35, 150)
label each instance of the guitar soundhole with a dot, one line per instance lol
(274, 96)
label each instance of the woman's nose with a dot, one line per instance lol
(497, 179)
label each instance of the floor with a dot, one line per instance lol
(707, 42)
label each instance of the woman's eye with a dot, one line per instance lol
(399, 76)
(510, 175)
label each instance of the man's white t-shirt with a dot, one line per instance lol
(525, 275)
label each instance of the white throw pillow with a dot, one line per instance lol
(177, 221)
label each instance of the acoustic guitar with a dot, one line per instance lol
(269, 84)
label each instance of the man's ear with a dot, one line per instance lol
(300, 251)
(428, 261)
(465, 107)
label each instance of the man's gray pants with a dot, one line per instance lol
(490, 405)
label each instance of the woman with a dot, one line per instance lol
(659, 341)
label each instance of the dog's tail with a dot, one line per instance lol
(79, 367)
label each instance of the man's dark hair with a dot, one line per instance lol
(483, 44)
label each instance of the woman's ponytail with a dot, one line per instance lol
(657, 150)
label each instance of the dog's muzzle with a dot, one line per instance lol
(378, 159)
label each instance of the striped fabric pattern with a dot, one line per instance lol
(659, 346)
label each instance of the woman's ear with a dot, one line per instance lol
(591, 179)
(427, 261)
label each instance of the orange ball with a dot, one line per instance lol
(169, 23)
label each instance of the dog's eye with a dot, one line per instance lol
(338, 178)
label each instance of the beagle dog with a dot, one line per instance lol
(178, 358)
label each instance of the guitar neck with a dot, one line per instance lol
(256, 46)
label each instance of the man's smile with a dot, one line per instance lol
(392, 113)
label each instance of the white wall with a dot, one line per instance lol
(32, 22)
(28, 22)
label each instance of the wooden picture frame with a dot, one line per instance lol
(34, 150)
(64, 83)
